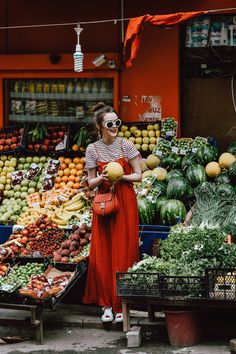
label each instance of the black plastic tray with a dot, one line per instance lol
(50, 303)
(221, 284)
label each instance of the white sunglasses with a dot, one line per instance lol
(112, 123)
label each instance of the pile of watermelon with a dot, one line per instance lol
(166, 193)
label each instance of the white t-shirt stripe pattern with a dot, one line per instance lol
(107, 153)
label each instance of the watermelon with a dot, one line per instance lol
(188, 160)
(177, 188)
(232, 172)
(146, 211)
(172, 212)
(174, 173)
(160, 185)
(206, 153)
(196, 174)
(159, 202)
(232, 148)
(225, 190)
(222, 178)
(174, 160)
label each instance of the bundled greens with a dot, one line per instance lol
(211, 210)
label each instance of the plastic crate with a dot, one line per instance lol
(148, 233)
(182, 286)
(5, 232)
(221, 284)
(137, 284)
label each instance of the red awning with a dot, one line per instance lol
(136, 25)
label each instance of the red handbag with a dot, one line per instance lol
(105, 203)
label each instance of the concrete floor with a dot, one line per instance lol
(90, 341)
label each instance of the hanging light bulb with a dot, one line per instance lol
(78, 55)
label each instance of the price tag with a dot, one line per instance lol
(62, 144)
(158, 153)
(194, 150)
(183, 152)
(175, 149)
(170, 133)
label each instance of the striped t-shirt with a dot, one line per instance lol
(107, 153)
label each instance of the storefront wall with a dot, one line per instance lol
(155, 71)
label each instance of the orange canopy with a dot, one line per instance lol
(136, 25)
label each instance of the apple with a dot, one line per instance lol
(156, 126)
(138, 140)
(127, 134)
(137, 133)
(151, 146)
(151, 134)
(158, 133)
(144, 133)
(120, 134)
(138, 146)
(132, 139)
(124, 128)
(133, 128)
(152, 140)
(146, 140)
(144, 147)
(150, 127)
(29, 159)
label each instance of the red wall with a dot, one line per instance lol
(155, 71)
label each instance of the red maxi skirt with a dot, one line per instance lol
(114, 245)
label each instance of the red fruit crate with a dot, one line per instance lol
(53, 139)
(11, 139)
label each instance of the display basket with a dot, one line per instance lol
(182, 286)
(221, 284)
(79, 270)
(11, 130)
(137, 284)
(40, 152)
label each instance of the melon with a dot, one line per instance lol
(160, 173)
(114, 171)
(213, 169)
(226, 159)
(152, 161)
(147, 173)
(143, 165)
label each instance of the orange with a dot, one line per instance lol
(56, 185)
(73, 172)
(60, 173)
(80, 166)
(79, 173)
(75, 147)
(77, 179)
(64, 179)
(71, 178)
(62, 184)
(71, 165)
(66, 172)
(63, 166)
(58, 179)
(76, 160)
(76, 185)
(70, 184)
(67, 161)
(82, 160)
(61, 159)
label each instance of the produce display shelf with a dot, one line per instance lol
(64, 96)
(48, 119)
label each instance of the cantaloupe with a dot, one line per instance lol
(160, 173)
(152, 161)
(114, 171)
(143, 165)
(226, 159)
(147, 173)
(213, 169)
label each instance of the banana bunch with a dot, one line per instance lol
(73, 208)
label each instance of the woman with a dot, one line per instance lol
(115, 238)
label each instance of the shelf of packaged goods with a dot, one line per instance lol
(63, 96)
(49, 119)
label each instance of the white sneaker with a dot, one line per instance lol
(107, 315)
(119, 317)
